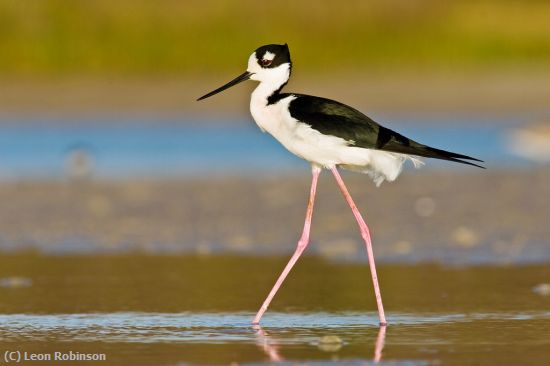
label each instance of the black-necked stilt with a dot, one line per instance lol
(328, 134)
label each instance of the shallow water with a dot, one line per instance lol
(229, 337)
(42, 149)
(175, 310)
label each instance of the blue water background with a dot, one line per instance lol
(175, 148)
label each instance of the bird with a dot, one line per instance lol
(330, 135)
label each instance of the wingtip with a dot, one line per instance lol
(470, 158)
(470, 163)
(478, 160)
(459, 158)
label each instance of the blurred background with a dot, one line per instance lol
(120, 193)
(103, 146)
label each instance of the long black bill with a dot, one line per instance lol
(238, 79)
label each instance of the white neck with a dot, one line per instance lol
(270, 80)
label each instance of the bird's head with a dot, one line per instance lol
(270, 63)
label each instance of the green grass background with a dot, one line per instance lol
(170, 37)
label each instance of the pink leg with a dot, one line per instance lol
(302, 244)
(366, 236)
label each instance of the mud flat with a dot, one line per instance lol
(455, 216)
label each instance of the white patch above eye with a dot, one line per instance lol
(269, 56)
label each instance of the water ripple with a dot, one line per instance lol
(141, 327)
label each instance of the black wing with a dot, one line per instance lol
(333, 118)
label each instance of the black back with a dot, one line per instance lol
(333, 118)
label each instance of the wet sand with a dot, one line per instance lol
(457, 216)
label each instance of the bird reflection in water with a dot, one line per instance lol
(379, 345)
(266, 344)
(270, 348)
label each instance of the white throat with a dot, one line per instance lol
(271, 80)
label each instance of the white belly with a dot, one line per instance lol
(323, 150)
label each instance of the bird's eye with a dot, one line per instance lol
(264, 62)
